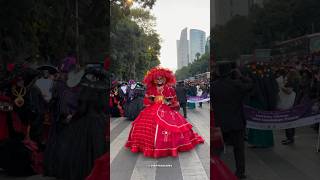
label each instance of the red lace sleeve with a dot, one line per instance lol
(147, 98)
(147, 101)
(172, 98)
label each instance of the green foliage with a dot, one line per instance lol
(143, 3)
(233, 39)
(275, 21)
(135, 46)
(201, 65)
(46, 29)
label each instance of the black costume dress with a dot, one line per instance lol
(84, 138)
(65, 101)
(134, 103)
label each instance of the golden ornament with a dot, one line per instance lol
(159, 99)
(19, 101)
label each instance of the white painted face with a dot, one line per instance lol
(160, 80)
(133, 85)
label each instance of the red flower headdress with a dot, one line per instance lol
(156, 72)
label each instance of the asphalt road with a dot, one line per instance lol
(299, 161)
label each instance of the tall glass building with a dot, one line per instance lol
(183, 49)
(197, 43)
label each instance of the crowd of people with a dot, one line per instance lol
(52, 119)
(126, 98)
(266, 86)
(281, 85)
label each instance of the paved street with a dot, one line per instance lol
(192, 165)
(125, 165)
(295, 162)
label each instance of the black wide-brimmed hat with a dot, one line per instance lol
(20, 71)
(95, 76)
(49, 68)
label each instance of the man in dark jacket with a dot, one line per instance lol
(229, 92)
(181, 92)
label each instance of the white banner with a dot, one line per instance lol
(197, 101)
(284, 125)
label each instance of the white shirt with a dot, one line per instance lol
(45, 86)
(286, 101)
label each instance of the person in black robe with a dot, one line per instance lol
(134, 100)
(85, 136)
(182, 97)
(228, 99)
(64, 102)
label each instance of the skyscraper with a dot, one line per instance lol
(197, 43)
(207, 49)
(183, 49)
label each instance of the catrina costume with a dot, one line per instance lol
(134, 100)
(101, 169)
(115, 101)
(19, 154)
(160, 130)
(84, 137)
(64, 102)
(45, 84)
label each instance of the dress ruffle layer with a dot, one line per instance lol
(160, 131)
(157, 153)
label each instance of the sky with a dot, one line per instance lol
(173, 16)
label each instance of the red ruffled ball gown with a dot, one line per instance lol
(160, 130)
(218, 170)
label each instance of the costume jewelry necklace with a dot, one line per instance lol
(19, 101)
(159, 98)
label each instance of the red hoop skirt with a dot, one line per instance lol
(101, 167)
(159, 131)
(219, 171)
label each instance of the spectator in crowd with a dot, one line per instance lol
(181, 92)
(287, 95)
(228, 98)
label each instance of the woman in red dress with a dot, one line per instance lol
(160, 130)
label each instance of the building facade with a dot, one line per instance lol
(197, 43)
(183, 49)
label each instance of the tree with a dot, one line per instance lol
(275, 21)
(46, 30)
(135, 46)
(198, 56)
(234, 39)
(200, 65)
(144, 3)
